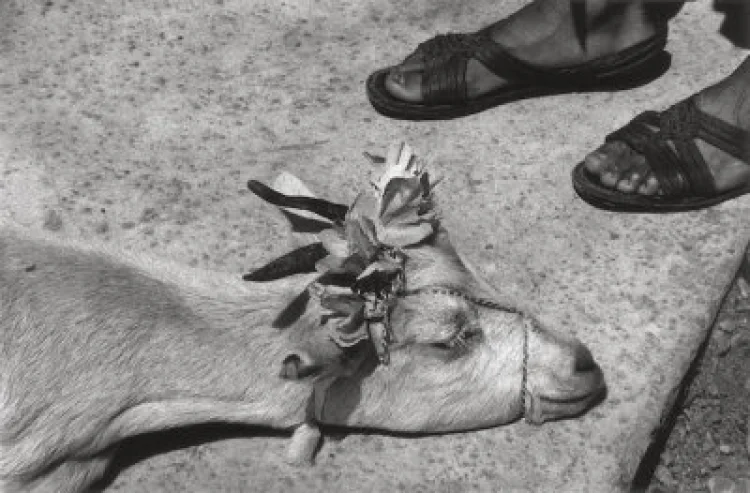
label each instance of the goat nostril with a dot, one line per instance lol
(584, 361)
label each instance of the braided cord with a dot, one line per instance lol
(447, 291)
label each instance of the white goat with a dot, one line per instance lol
(98, 345)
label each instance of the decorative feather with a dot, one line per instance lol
(298, 261)
(324, 208)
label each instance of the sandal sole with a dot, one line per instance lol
(607, 199)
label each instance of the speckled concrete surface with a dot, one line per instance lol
(140, 121)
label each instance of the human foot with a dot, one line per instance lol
(619, 167)
(656, 158)
(545, 33)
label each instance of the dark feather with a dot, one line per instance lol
(292, 312)
(298, 261)
(330, 210)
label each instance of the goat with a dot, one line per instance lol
(97, 345)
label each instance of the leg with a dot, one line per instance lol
(553, 33)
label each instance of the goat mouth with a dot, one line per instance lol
(540, 408)
(566, 400)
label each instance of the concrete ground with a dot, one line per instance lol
(140, 122)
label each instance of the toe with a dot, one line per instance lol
(621, 168)
(626, 184)
(404, 84)
(607, 163)
(600, 160)
(632, 178)
(594, 161)
(650, 185)
(609, 178)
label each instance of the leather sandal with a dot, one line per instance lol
(685, 180)
(444, 86)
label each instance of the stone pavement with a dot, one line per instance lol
(140, 122)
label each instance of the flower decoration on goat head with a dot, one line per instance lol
(363, 250)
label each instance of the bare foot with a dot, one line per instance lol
(546, 33)
(620, 167)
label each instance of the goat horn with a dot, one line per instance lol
(298, 261)
(330, 210)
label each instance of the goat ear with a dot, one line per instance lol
(299, 365)
(312, 357)
(323, 358)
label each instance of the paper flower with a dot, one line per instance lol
(397, 213)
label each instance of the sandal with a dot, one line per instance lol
(685, 180)
(444, 78)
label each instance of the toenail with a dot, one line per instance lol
(625, 186)
(650, 186)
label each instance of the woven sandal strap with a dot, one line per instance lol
(501, 63)
(722, 135)
(442, 46)
(686, 122)
(666, 166)
(444, 81)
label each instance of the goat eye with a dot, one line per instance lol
(461, 341)
(451, 346)
(471, 335)
(443, 346)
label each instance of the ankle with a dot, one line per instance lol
(730, 98)
(579, 30)
(602, 27)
